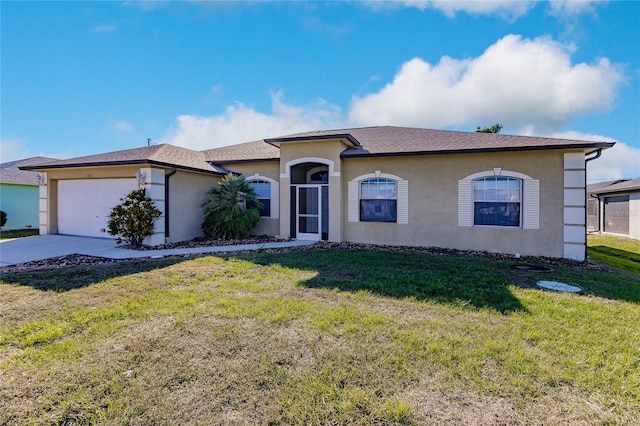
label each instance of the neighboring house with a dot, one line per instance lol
(614, 207)
(19, 193)
(377, 185)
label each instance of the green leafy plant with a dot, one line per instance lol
(133, 219)
(232, 209)
(491, 129)
(3, 218)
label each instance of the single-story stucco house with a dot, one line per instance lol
(19, 193)
(378, 185)
(614, 207)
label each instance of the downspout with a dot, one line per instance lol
(166, 202)
(598, 154)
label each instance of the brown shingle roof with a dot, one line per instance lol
(163, 154)
(257, 150)
(622, 185)
(361, 142)
(390, 140)
(10, 172)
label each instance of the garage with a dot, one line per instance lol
(84, 204)
(616, 214)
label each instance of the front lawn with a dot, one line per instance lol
(616, 251)
(17, 233)
(339, 336)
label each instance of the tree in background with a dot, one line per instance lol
(493, 129)
(232, 210)
(133, 219)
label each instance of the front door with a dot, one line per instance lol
(309, 221)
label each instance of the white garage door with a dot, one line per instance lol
(84, 205)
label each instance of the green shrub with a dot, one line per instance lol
(3, 218)
(133, 219)
(226, 213)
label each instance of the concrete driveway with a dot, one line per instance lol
(28, 249)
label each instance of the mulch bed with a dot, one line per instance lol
(75, 260)
(209, 242)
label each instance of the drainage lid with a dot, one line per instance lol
(554, 285)
(532, 268)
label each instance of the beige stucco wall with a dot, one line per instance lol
(433, 198)
(433, 203)
(186, 196)
(187, 193)
(268, 169)
(322, 152)
(330, 150)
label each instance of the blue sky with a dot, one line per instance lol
(80, 78)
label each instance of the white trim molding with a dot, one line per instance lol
(275, 193)
(289, 164)
(43, 209)
(575, 204)
(530, 197)
(402, 194)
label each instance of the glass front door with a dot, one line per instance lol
(308, 217)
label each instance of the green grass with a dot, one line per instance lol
(17, 233)
(617, 252)
(319, 337)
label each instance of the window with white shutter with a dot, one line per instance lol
(499, 198)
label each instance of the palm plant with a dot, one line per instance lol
(231, 210)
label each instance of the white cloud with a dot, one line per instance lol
(517, 82)
(507, 9)
(240, 123)
(123, 126)
(146, 5)
(565, 8)
(12, 150)
(15, 149)
(621, 161)
(107, 28)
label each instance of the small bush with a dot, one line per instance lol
(133, 219)
(3, 218)
(226, 213)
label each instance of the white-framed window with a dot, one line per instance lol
(378, 200)
(267, 190)
(497, 201)
(499, 198)
(263, 191)
(378, 197)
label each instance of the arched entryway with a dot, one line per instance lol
(310, 201)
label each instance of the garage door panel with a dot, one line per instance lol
(84, 204)
(616, 214)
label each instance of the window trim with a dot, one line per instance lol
(497, 201)
(394, 200)
(274, 197)
(402, 197)
(529, 202)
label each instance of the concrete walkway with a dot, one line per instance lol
(28, 249)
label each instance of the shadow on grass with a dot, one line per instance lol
(61, 280)
(621, 259)
(480, 283)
